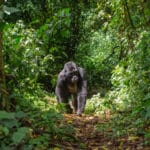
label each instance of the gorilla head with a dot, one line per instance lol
(71, 72)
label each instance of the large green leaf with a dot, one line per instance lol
(6, 115)
(20, 114)
(10, 123)
(20, 134)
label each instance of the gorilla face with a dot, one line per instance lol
(72, 73)
(74, 76)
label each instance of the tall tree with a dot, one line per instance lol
(4, 104)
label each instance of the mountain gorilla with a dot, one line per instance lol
(72, 81)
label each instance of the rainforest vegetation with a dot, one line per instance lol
(110, 39)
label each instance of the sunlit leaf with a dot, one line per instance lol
(9, 10)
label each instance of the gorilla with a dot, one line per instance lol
(72, 82)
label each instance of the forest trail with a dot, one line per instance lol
(89, 139)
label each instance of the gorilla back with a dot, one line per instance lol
(72, 81)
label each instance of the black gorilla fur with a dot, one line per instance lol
(72, 81)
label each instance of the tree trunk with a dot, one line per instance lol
(4, 103)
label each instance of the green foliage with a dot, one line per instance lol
(6, 10)
(9, 10)
(50, 123)
(20, 135)
(33, 129)
(132, 82)
(130, 70)
(110, 39)
(22, 54)
(93, 54)
(41, 142)
(6, 115)
(98, 105)
(11, 132)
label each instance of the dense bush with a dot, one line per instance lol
(110, 39)
(130, 79)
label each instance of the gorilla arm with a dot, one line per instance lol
(60, 90)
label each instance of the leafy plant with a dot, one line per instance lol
(11, 132)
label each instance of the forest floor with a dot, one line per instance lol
(87, 138)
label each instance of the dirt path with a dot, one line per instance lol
(89, 139)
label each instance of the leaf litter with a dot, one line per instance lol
(88, 138)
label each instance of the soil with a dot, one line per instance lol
(88, 138)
